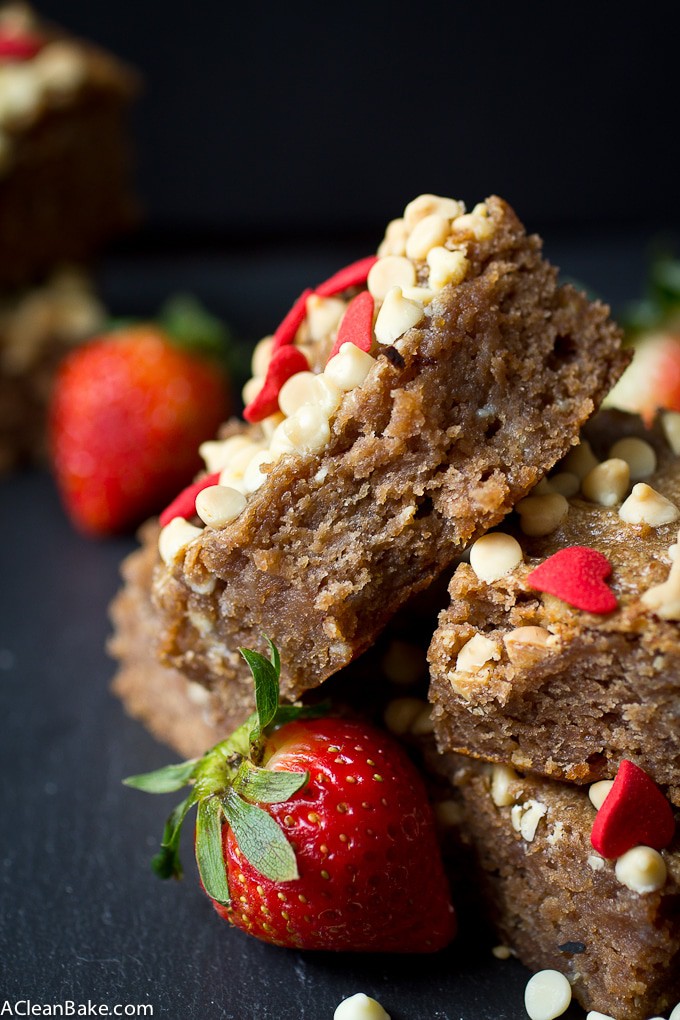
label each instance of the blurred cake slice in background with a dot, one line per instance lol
(65, 192)
(64, 155)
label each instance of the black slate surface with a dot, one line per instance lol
(82, 919)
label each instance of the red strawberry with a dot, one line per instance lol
(320, 838)
(128, 412)
(652, 380)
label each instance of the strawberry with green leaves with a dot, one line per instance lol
(312, 832)
(128, 412)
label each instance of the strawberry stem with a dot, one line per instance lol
(227, 784)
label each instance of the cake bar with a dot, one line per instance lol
(557, 904)
(524, 676)
(64, 160)
(435, 416)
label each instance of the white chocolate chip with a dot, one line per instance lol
(607, 483)
(502, 952)
(528, 644)
(446, 267)
(328, 394)
(547, 995)
(423, 724)
(269, 424)
(323, 316)
(299, 389)
(494, 555)
(475, 653)
(504, 789)
(20, 93)
(253, 477)
(664, 599)
(670, 422)
(541, 515)
(476, 223)
(525, 818)
(390, 271)
(308, 429)
(397, 315)
(595, 863)
(593, 1014)
(566, 483)
(394, 242)
(598, 792)
(280, 442)
(403, 663)
(543, 486)
(262, 355)
(675, 1013)
(61, 67)
(421, 295)
(642, 869)
(218, 505)
(218, 453)
(401, 713)
(360, 1007)
(349, 368)
(426, 205)
(638, 454)
(239, 460)
(647, 506)
(429, 232)
(175, 537)
(251, 389)
(449, 813)
(580, 460)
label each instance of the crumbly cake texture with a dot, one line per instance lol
(455, 421)
(64, 155)
(190, 719)
(38, 326)
(578, 691)
(559, 905)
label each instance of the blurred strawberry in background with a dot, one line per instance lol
(128, 412)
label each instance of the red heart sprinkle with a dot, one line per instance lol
(635, 813)
(285, 362)
(15, 46)
(284, 333)
(184, 505)
(356, 326)
(354, 275)
(577, 576)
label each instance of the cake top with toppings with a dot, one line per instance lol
(599, 533)
(325, 348)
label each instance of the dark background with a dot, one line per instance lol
(273, 143)
(265, 119)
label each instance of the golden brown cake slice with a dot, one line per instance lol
(528, 669)
(64, 153)
(189, 718)
(468, 378)
(612, 927)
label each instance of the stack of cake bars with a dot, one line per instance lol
(321, 517)
(545, 700)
